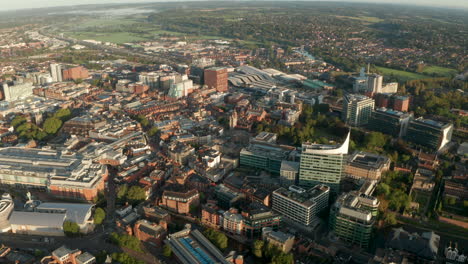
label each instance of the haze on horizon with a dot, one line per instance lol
(27, 4)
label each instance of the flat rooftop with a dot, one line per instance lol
(304, 197)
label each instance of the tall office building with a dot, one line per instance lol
(374, 83)
(323, 164)
(56, 72)
(357, 109)
(429, 133)
(300, 205)
(17, 90)
(217, 78)
(353, 216)
(389, 122)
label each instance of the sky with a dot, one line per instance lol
(21, 4)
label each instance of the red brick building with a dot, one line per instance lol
(75, 73)
(150, 232)
(401, 103)
(217, 78)
(210, 214)
(180, 202)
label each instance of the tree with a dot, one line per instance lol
(282, 258)
(99, 216)
(52, 125)
(124, 240)
(17, 121)
(136, 194)
(63, 114)
(375, 140)
(167, 251)
(257, 248)
(71, 229)
(124, 258)
(122, 192)
(153, 131)
(390, 218)
(217, 238)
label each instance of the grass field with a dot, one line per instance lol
(366, 19)
(116, 37)
(439, 71)
(401, 75)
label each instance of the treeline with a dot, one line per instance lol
(27, 130)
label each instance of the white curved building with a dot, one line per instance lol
(6, 207)
(323, 164)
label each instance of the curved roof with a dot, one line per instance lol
(327, 149)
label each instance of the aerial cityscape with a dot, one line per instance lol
(233, 132)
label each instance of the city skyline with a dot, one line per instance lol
(31, 4)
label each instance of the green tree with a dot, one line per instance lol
(390, 219)
(99, 216)
(124, 240)
(153, 131)
(167, 251)
(136, 194)
(282, 258)
(71, 229)
(219, 239)
(17, 121)
(124, 258)
(52, 125)
(257, 248)
(375, 140)
(122, 193)
(63, 114)
(382, 189)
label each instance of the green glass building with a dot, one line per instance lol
(429, 133)
(323, 164)
(352, 218)
(389, 122)
(264, 156)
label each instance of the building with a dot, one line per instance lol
(375, 82)
(6, 208)
(401, 103)
(289, 172)
(180, 152)
(353, 216)
(283, 241)
(75, 73)
(17, 90)
(369, 166)
(300, 205)
(56, 72)
(323, 164)
(79, 213)
(429, 133)
(257, 217)
(233, 222)
(36, 223)
(180, 89)
(211, 215)
(64, 255)
(390, 122)
(421, 247)
(357, 109)
(150, 232)
(265, 156)
(63, 174)
(180, 202)
(191, 247)
(216, 78)
(82, 125)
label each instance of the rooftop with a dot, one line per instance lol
(304, 197)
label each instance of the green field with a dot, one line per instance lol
(401, 75)
(115, 37)
(365, 19)
(439, 71)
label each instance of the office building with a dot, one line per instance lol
(357, 109)
(190, 246)
(289, 172)
(323, 164)
(429, 133)
(56, 72)
(374, 82)
(233, 222)
(18, 90)
(300, 205)
(257, 217)
(389, 122)
(64, 255)
(216, 78)
(353, 216)
(395, 102)
(401, 103)
(369, 166)
(265, 156)
(389, 88)
(75, 73)
(180, 89)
